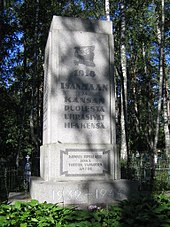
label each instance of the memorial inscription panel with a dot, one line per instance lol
(81, 162)
(85, 87)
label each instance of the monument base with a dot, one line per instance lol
(82, 193)
(78, 162)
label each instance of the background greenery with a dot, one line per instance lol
(152, 211)
(24, 27)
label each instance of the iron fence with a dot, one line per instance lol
(11, 179)
(150, 176)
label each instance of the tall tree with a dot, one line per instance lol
(165, 82)
(124, 140)
(107, 10)
(160, 35)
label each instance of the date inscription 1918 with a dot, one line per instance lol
(82, 73)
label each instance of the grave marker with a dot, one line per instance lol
(79, 142)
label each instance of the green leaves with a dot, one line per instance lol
(147, 211)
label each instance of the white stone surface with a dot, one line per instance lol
(83, 193)
(78, 94)
(77, 24)
(60, 162)
(78, 159)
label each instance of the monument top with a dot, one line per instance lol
(78, 102)
(76, 24)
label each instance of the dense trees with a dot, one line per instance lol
(141, 36)
(144, 67)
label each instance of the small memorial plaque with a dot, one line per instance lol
(77, 162)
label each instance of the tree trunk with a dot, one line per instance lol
(160, 35)
(149, 117)
(33, 115)
(107, 10)
(124, 143)
(166, 107)
(161, 75)
(123, 146)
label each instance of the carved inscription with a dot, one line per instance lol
(100, 194)
(84, 99)
(84, 162)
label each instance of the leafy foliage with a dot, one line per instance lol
(148, 211)
(23, 33)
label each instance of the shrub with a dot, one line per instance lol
(148, 211)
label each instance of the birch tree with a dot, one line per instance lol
(166, 103)
(160, 37)
(107, 10)
(166, 116)
(124, 140)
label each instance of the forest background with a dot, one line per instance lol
(141, 35)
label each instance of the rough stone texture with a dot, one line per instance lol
(83, 192)
(18, 196)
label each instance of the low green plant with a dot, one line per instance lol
(146, 211)
(161, 181)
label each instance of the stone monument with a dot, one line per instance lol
(79, 163)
